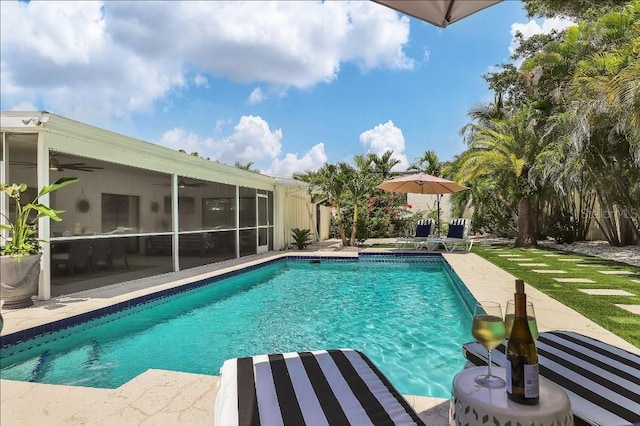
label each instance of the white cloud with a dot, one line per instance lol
(179, 138)
(252, 140)
(24, 106)
(427, 54)
(532, 28)
(201, 81)
(385, 137)
(290, 164)
(94, 61)
(61, 56)
(256, 96)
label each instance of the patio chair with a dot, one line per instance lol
(79, 255)
(118, 251)
(457, 235)
(101, 253)
(423, 230)
(335, 387)
(601, 380)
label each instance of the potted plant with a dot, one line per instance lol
(20, 253)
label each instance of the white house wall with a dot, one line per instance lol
(325, 222)
(297, 212)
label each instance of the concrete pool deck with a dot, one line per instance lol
(165, 397)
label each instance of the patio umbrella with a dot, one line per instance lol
(422, 183)
(438, 12)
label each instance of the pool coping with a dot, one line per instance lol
(39, 326)
(165, 397)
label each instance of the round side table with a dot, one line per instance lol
(472, 404)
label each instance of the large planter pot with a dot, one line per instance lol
(19, 280)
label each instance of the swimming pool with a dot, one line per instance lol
(410, 315)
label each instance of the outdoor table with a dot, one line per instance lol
(473, 404)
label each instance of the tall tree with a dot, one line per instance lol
(246, 166)
(580, 9)
(358, 186)
(379, 167)
(328, 182)
(594, 71)
(505, 149)
(429, 163)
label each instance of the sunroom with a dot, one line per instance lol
(139, 209)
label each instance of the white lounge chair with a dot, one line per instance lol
(457, 236)
(335, 387)
(424, 230)
(601, 380)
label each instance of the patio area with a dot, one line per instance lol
(165, 397)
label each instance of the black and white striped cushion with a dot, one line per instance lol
(333, 387)
(601, 380)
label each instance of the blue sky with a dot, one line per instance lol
(286, 85)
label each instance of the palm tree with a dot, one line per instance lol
(358, 186)
(504, 150)
(328, 182)
(595, 69)
(428, 163)
(246, 166)
(485, 113)
(379, 167)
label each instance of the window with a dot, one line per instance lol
(218, 213)
(120, 213)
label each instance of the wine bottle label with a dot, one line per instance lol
(531, 384)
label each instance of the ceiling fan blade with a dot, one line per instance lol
(22, 163)
(183, 184)
(80, 166)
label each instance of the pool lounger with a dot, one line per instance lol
(602, 381)
(334, 387)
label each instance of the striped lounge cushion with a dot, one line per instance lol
(602, 381)
(333, 387)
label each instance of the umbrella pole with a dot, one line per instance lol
(438, 228)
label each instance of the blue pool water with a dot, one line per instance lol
(407, 316)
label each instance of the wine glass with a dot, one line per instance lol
(488, 330)
(509, 316)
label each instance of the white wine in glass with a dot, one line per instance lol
(488, 329)
(510, 314)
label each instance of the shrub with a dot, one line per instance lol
(301, 237)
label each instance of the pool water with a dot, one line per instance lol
(407, 317)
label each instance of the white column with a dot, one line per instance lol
(44, 228)
(237, 221)
(175, 249)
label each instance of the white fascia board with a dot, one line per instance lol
(21, 120)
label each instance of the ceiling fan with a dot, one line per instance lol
(182, 183)
(56, 165)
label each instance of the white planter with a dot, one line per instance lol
(19, 280)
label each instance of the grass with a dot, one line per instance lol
(600, 309)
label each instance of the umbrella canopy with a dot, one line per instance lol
(422, 183)
(438, 12)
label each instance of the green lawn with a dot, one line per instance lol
(600, 309)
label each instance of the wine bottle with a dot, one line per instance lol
(522, 355)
